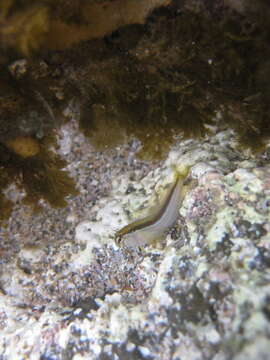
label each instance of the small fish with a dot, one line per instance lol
(153, 227)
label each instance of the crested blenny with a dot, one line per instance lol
(153, 227)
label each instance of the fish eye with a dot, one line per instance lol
(118, 239)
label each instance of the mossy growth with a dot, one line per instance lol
(32, 99)
(168, 78)
(40, 175)
(171, 76)
(128, 98)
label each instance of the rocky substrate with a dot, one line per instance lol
(201, 294)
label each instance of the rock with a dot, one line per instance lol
(204, 293)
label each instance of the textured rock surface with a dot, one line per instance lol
(68, 292)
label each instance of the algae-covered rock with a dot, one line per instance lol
(202, 293)
(186, 86)
(157, 76)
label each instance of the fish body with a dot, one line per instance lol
(154, 226)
